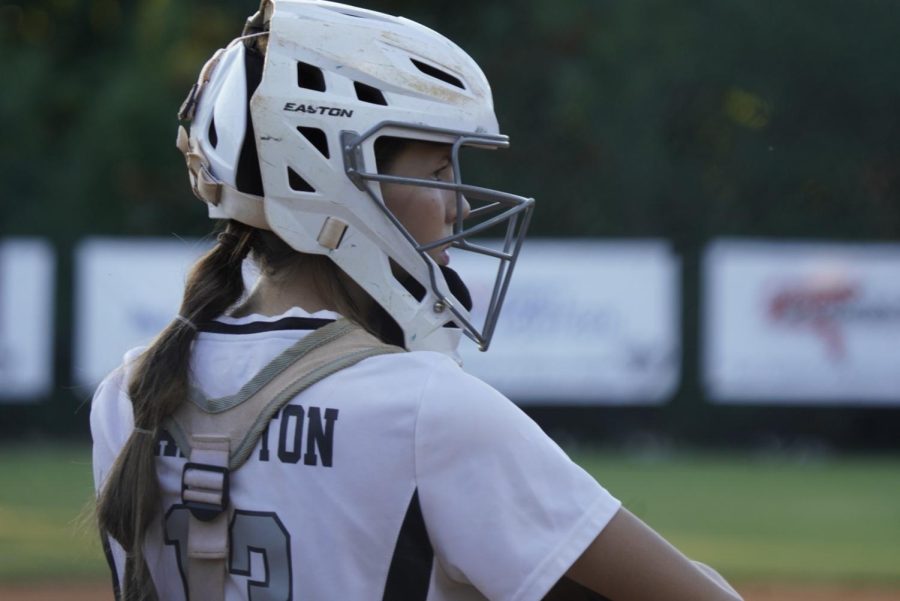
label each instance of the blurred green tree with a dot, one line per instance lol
(639, 118)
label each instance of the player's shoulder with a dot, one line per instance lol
(457, 410)
(110, 404)
(423, 376)
(429, 368)
(117, 379)
(446, 384)
(424, 361)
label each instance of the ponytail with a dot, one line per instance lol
(130, 497)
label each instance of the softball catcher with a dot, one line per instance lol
(314, 437)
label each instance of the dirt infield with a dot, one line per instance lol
(754, 592)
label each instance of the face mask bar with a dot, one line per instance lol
(498, 207)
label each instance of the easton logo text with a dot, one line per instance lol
(318, 110)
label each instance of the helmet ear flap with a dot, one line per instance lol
(248, 178)
(258, 22)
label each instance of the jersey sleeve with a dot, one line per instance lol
(111, 424)
(505, 508)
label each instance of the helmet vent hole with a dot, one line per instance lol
(297, 183)
(310, 77)
(212, 134)
(369, 94)
(438, 74)
(317, 138)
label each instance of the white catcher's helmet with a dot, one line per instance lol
(334, 79)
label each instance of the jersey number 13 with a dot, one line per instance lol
(249, 532)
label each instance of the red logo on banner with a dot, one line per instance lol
(819, 308)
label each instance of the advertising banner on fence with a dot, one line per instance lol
(585, 322)
(27, 273)
(127, 290)
(802, 323)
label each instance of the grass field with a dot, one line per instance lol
(769, 519)
(757, 520)
(45, 532)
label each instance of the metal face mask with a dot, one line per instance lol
(501, 216)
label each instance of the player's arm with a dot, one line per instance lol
(628, 561)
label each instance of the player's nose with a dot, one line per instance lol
(458, 205)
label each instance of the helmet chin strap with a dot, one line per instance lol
(445, 339)
(457, 287)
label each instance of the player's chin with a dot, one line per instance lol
(440, 256)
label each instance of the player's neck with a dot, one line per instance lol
(271, 297)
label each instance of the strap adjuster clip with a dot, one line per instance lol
(205, 490)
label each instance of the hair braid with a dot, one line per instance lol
(130, 497)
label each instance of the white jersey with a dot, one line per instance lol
(400, 477)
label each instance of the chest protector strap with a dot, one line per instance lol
(218, 435)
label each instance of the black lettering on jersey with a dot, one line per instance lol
(290, 430)
(317, 438)
(165, 446)
(264, 442)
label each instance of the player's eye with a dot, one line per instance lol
(444, 173)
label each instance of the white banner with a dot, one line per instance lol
(27, 272)
(128, 289)
(585, 322)
(802, 323)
